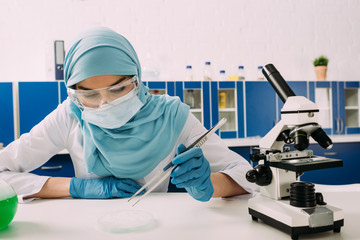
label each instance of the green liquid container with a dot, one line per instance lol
(8, 204)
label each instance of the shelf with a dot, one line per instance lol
(351, 108)
(196, 110)
(227, 109)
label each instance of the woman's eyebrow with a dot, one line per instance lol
(83, 88)
(122, 78)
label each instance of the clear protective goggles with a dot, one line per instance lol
(96, 98)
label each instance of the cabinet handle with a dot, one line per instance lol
(341, 125)
(51, 168)
(337, 125)
(331, 153)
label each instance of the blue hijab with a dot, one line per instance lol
(136, 148)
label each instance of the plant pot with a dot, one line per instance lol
(320, 72)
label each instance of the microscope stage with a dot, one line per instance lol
(307, 164)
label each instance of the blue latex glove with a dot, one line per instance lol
(192, 173)
(108, 187)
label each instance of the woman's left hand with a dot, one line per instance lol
(192, 173)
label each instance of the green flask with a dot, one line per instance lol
(8, 204)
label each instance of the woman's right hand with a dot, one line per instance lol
(108, 187)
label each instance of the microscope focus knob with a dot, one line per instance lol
(255, 157)
(261, 175)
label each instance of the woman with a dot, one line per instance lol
(118, 135)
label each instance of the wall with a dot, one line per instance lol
(170, 34)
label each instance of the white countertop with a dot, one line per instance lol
(178, 216)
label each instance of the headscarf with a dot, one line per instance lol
(136, 148)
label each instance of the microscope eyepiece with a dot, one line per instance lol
(322, 138)
(277, 82)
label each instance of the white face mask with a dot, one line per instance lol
(114, 114)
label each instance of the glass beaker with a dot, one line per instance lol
(8, 204)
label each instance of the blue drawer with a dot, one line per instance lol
(59, 165)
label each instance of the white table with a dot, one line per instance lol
(178, 217)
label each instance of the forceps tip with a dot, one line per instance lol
(135, 203)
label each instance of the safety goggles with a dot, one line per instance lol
(95, 98)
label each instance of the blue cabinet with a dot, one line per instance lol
(36, 101)
(339, 106)
(348, 174)
(227, 101)
(161, 88)
(325, 95)
(263, 106)
(260, 100)
(348, 102)
(197, 96)
(253, 106)
(7, 113)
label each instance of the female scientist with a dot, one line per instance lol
(118, 135)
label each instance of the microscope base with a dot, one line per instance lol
(293, 220)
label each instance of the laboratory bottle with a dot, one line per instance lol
(222, 99)
(189, 73)
(241, 73)
(222, 76)
(260, 75)
(208, 76)
(191, 98)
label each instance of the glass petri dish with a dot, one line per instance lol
(123, 221)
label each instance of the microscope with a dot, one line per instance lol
(285, 202)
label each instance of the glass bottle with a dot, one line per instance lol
(222, 99)
(208, 72)
(191, 98)
(189, 73)
(222, 76)
(260, 75)
(241, 73)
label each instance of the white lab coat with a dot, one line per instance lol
(59, 131)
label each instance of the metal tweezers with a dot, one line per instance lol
(166, 171)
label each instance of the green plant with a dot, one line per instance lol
(321, 61)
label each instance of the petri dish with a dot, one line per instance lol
(124, 221)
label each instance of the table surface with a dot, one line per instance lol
(177, 215)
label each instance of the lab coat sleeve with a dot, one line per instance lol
(220, 157)
(32, 150)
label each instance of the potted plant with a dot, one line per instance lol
(320, 65)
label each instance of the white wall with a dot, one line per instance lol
(170, 34)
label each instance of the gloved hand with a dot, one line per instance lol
(109, 187)
(192, 173)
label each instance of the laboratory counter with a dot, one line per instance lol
(177, 216)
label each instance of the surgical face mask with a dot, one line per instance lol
(115, 113)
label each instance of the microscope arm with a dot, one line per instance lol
(271, 141)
